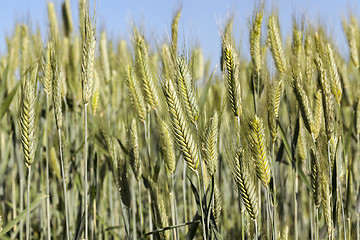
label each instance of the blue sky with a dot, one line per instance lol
(200, 22)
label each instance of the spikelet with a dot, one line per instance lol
(318, 114)
(48, 71)
(136, 97)
(174, 32)
(257, 142)
(315, 181)
(303, 101)
(327, 97)
(325, 200)
(180, 127)
(336, 88)
(67, 18)
(96, 93)
(209, 144)
(104, 57)
(88, 59)
(275, 44)
(275, 94)
(56, 90)
(255, 40)
(27, 115)
(143, 69)
(186, 90)
(233, 85)
(167, 147)
(244, 184)
(134, 150)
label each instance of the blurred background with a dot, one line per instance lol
(200, 22)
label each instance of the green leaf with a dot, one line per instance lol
(288, 152)
(6, 103)
(22, 215)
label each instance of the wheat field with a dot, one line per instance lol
(104, 139)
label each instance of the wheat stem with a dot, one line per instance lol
(28, 204)
(64, 187)
(47, 171)
(85, 174)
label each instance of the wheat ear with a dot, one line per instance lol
(244, 184)
(209, 144)
(143, 69)
(233, 84)
(136, 97)
(303, 101)
(174, 32)
(28, 129)
(186, 90)
(255, 41)
(257, 143)
(275, 94)
(134, 150)
(167, 147)
(335, 83)
(180, 127)
(275, 43)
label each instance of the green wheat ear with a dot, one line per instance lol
(56, 89)
(135, 94)
(209, 144)
(143, 70)
(302, 100)
(255, 41)
(180, 127)
(134, 150)
(233, 85)
(257, 143)
(244, 184)
(167, 147)
(186, 90)
(27, 115)
(315, 179)
(275, 44)
(88, 59)
(174, 32)
(335, 83)
(275, 94)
